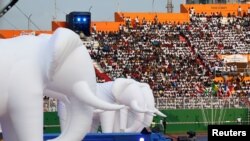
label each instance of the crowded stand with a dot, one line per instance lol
(179, 60)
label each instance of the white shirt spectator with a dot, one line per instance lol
(192, 11)
(94, 28)
(121, 28)
(137, 20)
(239, 11)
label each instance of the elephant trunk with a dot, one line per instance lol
(134, 106)
(62, 109)
(107, 121)
(135, 122)
(148, 119)
(84, 94)
(97, 111)
(78, 123)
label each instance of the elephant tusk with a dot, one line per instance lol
(126, 107)
(151, 111)
(151, 114)
(98, 111)
(160, 113)
(84, 94)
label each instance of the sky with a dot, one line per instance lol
(42, 12)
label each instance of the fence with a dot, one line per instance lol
(49, 105)
(201, 102)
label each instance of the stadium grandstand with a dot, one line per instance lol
(189, 59)
(196, 61)
(215, 1)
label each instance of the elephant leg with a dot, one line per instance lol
(117, 122)
(123, 119)
(135, 121)
(120, 123)
(148, 120)
(107, 119)
(80, 120)
(62, 113)
(95, 124)
(9, 133)
(25, 100)
(27, 118)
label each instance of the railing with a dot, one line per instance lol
(28, 33)
(243, 71)
(201, 102)
(50, 105)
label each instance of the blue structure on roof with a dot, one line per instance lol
(118, 137)
(79, 22)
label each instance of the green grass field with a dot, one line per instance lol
(179, 121)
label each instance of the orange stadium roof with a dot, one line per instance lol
(181, 17)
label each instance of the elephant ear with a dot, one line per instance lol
(120, 84)
(62, 42)
(149, 97)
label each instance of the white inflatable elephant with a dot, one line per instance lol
(131, 119)
(58, 66)
(150, 106)
(138, 98)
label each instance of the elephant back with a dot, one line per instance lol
(104, 91)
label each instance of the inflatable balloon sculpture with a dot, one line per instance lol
(56, 65)
(139, 111)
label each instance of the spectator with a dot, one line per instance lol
(248, 12)
(239, 11)
(178, 60)
(94, 28)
